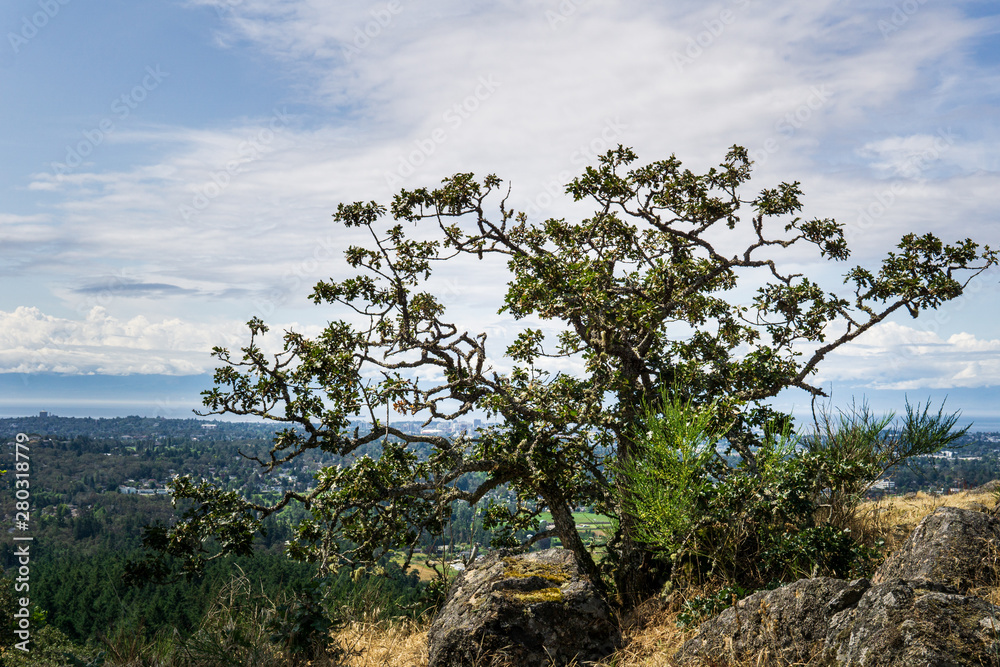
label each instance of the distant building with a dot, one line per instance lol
(43, 414)
(884, 485)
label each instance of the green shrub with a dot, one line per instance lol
(784, 515)
(700, 607)
(301, 626)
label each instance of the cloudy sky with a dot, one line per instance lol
(169, 168)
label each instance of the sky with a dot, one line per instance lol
(169, 168)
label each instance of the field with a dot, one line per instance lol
(584, 521)
(594, 520)
(419, 565)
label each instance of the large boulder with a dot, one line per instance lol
(783, 626)
(920, 608)
(951, 546)
(527, 610)
(918, 623)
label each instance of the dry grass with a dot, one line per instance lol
(894, 518)
(651, 637)
(651, 634)
(384, 644)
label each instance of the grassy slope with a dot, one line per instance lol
(652, 635)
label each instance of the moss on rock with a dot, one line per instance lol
(553, 594)
(522, 568)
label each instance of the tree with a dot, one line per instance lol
(646, 293)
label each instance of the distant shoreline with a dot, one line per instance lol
(176, 397)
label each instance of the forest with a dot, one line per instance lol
(86, 532)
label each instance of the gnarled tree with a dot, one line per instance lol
(645, 292)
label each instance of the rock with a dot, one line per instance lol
(988, 487)
(848, 597)
(951, 546)
(533, 609)
(919, 609)
(918, 623)
(786, 625)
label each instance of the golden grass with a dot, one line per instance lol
(893, 519)
(398, 644)
(651, 635)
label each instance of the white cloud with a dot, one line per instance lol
(33, 342)
(894, 356)
(237, 219)
(915, 155)
(9, 219)
(26, 229)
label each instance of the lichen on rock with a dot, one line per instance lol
(522, 567)
(553, 594)
(527, 610)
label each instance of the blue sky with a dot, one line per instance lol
(168, 169)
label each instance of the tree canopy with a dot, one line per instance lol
(646, 295)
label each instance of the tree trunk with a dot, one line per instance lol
(566, 528)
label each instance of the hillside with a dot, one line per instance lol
(653, 634)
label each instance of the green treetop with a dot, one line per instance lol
(645, 293)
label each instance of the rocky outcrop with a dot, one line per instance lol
(953, 547)
(919, 609)
(914, 623)
(533, 609)
(786, 625)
